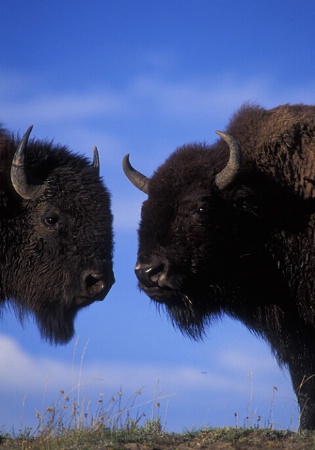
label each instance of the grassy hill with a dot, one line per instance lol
(149, 437)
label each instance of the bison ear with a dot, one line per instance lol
(19, 175)
(137, 178)
(96, 161)
(224, 178)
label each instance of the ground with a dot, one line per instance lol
(214, 439)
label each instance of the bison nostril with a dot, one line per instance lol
(95, 285)
(153, 276)
(154, 273)
(93, 279)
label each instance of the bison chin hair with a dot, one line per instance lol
(191, 321)
(56, 324)
(57, 327)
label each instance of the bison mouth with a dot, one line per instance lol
(159, 278)
(165, 294)
(189, 301)
(163, 283)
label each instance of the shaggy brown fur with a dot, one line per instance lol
(56, 249)
(247, 250)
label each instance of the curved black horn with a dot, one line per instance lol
(96, 160)
(137, 178)
(19, 177)
(227, 175)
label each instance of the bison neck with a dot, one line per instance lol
(270, 301)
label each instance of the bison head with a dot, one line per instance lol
(58, 252)
(194, 231)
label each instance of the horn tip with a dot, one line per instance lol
(29, 130)
(220, 133)
(227, 138)
(96, 160)
(27, 135)
(126, 159)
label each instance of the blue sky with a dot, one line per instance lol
(143, 77)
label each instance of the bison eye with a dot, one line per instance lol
(202, 211)
(51, 220)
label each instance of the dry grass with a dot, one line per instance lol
(73, 422)
(150, 437)
(69, 424)
(119, 423)
(113, 414)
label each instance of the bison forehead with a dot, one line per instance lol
(80, 190)
(71, 216)
(182, 184)
(190, 168)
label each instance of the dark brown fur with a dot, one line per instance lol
(56, 250)
(248, 250)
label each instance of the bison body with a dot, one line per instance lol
(56, 237)
(229, 229)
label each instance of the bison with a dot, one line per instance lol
(56, 238)
(229, 229)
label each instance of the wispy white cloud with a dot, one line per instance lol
(185, 99)
(129, 374)
(112, 374)
(235, 359)
(62, 106)
(179, 100)
(217, 96)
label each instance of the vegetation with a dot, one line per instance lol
(116, 425)
(73, 423)
(151, 437)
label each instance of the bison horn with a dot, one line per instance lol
(96, 161)
(137, 179)
(227, 175)
(19, 176)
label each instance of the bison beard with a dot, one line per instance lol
(230, 229)
(57, 321)
(56, 233)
